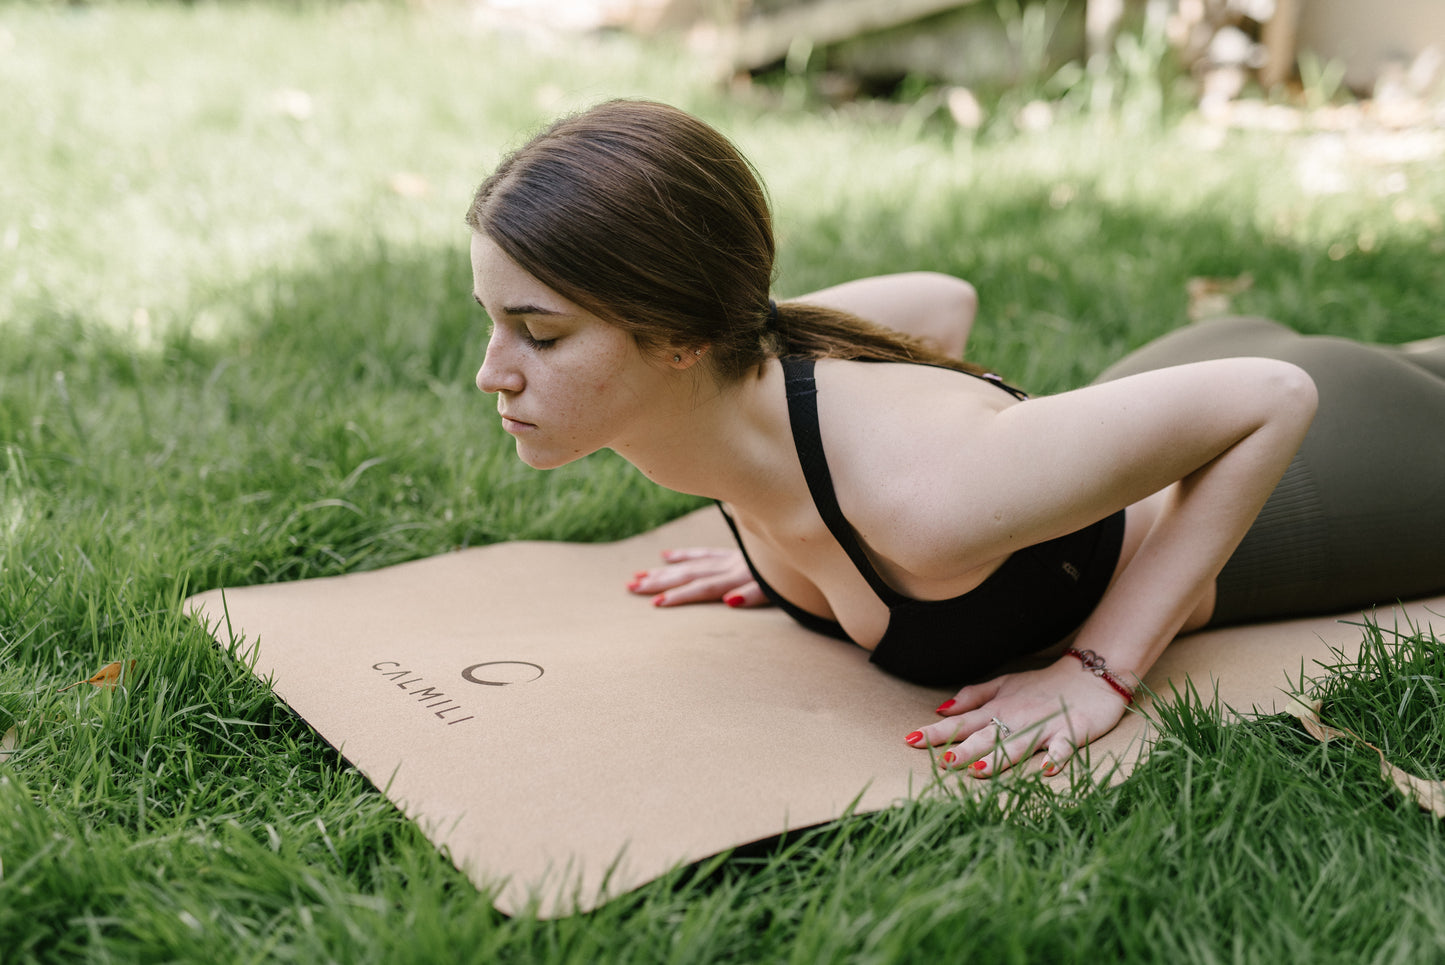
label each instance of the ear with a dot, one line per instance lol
(682, 358)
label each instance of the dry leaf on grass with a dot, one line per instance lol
(1215, 296)
(1429, 795)
(8, 743)
(108, 676)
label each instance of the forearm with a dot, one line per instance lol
(1199, 525)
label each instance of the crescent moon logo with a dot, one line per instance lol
(503, 672)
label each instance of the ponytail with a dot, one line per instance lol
(812, 331)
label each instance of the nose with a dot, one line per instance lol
(498, 373)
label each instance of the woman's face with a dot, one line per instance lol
(567, 383)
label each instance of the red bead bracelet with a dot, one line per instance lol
(1095, 665)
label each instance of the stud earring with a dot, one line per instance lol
(677, 358)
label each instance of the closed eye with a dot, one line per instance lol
(540, 344)
(519, 311)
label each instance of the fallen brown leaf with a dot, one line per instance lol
(8, 743)
(1214, 296)
(1428, 795)
(108, 676)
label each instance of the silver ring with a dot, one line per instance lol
(1003, 728)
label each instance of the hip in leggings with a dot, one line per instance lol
(1358, 519)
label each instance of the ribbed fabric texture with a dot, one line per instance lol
(1282, 564)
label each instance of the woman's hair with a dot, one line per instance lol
(652, 221)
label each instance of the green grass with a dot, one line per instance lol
(231, 352)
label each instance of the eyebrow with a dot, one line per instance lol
(513, 310)
(529, 310)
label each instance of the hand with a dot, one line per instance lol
(1057, 708)
(699, 575)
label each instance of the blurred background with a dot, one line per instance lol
(1391, 54)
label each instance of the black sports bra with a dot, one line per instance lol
(1036, 598)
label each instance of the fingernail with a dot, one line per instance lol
(943, 707)
(638, 575)
(1049, 767)
(658, 600)
(914, 737)
(735, 600)
(979, 765)
(948, 759)
(634, 585)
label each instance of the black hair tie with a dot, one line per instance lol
(772, 314)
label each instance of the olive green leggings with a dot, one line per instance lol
(1359, 517)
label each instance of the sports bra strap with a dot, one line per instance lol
(808, 440)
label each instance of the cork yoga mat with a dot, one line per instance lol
(566, 742)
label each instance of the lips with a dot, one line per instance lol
(513, 424)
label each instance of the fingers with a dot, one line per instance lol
(747, 595)
(708, 589)
(999, 724)
(984, 744)
(688, 565)
(694, 553)
(952, 728)
(970, 698)
(990, 750)
(1057, 754)
(699, 575)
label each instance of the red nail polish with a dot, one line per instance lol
(638, 575)
(634, 585)
(948, 758)
(657, 600)
(979, 765)
(1050, 768)
(943, 707)
(914, 737)
(735, 600)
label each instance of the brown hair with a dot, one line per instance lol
(652, 221)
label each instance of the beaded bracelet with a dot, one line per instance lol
(1095, 665)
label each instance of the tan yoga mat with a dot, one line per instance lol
(566, 742)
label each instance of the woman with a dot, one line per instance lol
(885, 492)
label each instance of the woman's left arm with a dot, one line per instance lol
(936, 308)
(1063, 706)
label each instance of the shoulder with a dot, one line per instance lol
(941, 478)
(899, 441)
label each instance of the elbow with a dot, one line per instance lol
(1294, 395)
(952, 308)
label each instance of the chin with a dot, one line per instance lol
(544, 460)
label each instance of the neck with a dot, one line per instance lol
(730, 442)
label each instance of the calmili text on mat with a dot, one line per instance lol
(432, 699)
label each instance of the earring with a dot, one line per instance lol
(677, 358)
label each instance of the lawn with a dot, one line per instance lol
(236, 346)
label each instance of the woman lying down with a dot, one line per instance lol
(883, 491)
